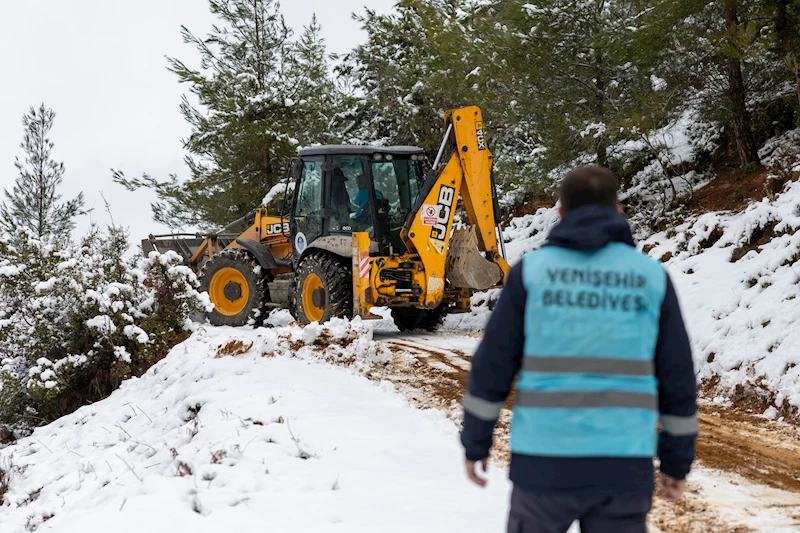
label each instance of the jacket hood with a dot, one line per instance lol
(590, 228)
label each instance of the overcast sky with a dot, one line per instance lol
(100, 65)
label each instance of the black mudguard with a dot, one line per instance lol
(260, 252)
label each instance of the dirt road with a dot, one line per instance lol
(747, 480)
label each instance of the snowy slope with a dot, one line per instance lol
(741, 314)
(274, 439)
(742, 311)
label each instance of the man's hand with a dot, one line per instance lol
(471, 471)
(672, 489)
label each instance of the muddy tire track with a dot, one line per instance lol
(425, 371)
(765, 452)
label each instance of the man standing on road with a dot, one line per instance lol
(594, 331)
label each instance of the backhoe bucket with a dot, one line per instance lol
(466, 267)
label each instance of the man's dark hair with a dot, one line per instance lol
(589, 185)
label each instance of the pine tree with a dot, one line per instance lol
(314, 96)
(785, 15)
(253, 99)
(416, 63)
(590, 66)
(738, 34)
(727, 40)
(557, 79)
(34, 202)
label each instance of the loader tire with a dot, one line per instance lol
(411, 318)
(324, 290)
(237, 286)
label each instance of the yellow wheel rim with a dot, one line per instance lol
(313, 298)
(229, 292)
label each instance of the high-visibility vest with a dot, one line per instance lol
(587, 386)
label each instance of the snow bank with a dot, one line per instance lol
(525, 234)
(241, 430)
(737, 277)
(741, 314)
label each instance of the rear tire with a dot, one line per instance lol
(411, 318)
(237, 285)
(324, 290)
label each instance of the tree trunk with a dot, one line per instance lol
(259, 51)
(267, 176)
(796, 72)
(787, 39)
(737, 93)
(600, 109)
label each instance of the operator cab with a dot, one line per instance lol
(341, 189)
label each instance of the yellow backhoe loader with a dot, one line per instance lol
(360, 229)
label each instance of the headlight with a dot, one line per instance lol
(389, 157)
(377, 157)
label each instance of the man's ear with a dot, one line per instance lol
(620, 209)
(561, 212)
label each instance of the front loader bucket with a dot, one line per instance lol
(185, 246)
(466, 267)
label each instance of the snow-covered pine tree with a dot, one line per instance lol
(34, 201)
(244, 128)
(588, 66)
(558, 80)
(785, 19)
(78, 319)
(728, 41)
(416, 63)
(313, 104)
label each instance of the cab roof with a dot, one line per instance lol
(350, 149)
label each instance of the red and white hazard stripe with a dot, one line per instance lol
(364, 266)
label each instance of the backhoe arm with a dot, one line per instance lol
(463, 166)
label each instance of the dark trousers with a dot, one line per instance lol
(543, 513)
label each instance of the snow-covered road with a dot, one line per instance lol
(326, 429)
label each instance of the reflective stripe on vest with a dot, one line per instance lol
(589, 365)
(569, 400)
(587, 386)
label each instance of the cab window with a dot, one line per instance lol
(350, 196)
(308, 203)
(398, 182)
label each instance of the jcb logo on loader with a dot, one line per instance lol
(279, 227)
(447, 197)
(480, 134)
